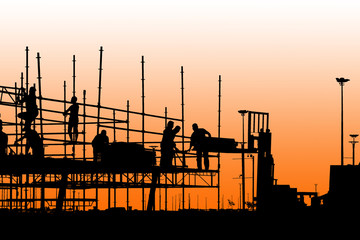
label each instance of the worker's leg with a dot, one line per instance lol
(95, 155)
(76, 132)
(198, 159)
(165, 157)
(206, 160)
(70, 127)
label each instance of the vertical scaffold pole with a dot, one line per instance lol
(42, 205)
(40, 96)
(21, 110)
(99, 96)
(65, 156)
(183, 134)
(74, 75)
(84, 143)
(16, 120)
(143, 117)
(84, 125)
(182, 114)
(127, 121)
(143, 99)
(166, 178)
(219, 127)
(114, 125)
(27, 69)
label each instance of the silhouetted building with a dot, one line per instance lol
(344, 188)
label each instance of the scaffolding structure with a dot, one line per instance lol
(67, 178)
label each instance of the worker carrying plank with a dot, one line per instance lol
(197, 142)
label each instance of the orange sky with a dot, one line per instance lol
(280, 57)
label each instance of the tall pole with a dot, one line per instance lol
(353, 154)
(27, 69)
(353, 142)
(65, 156)
(243, 112)
(21, 110)
(84, 125)
(342, 124)
(219, 127)
(73, 75)
(42, 206)
(342, 81)
(253, 179)
(40, 96)
(143, 99)
(143, 117)
(183, 132)
(243, 166)
(127, 121)
(99, 96)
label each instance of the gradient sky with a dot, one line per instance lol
(280, 57)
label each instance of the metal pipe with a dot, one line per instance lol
(143, 98)
(40, 96)
(127, 121)
(342, 124)
(65, 117)
(219, 128)
(99, 96)
(27, 69)
(84, 125)
(183, 133)
(73, 75)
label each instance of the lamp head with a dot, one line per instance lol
(242, 112)
(354, 135)
(342, 80)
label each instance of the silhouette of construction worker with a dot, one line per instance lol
(197, 142)
(3, 142)
(73, 119)
(33, 141)
(31, 108)
(100, 143)
(167, 146)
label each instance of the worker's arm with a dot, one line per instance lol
(67, 110)
(191, 142)
(208, 133)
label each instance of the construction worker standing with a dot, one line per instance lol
(100, 144)
(73, 119)
(197, 142)
(31, 108)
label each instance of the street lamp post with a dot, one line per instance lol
(353, 142)
(342, 82)
(243, 112)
